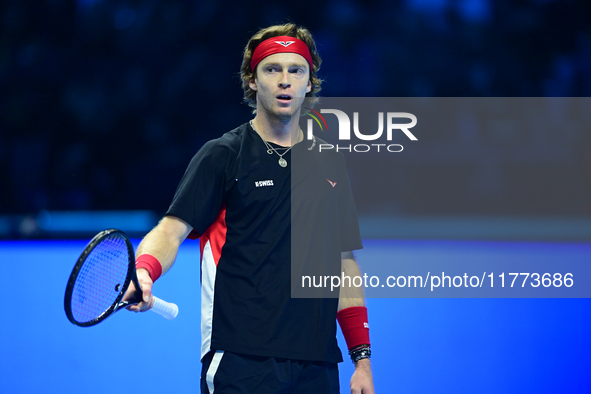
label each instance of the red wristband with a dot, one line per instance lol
(353, 322)
(150, 263)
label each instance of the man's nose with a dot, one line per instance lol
(284, 82)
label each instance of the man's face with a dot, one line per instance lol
(282, 81)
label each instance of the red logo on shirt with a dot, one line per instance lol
(333, 184)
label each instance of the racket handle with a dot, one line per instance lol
(165, 309)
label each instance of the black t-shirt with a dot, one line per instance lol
(254, 217)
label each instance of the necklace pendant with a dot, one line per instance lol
(282, 162)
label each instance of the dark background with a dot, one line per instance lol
(103, 103)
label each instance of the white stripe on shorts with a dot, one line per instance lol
(213, 368)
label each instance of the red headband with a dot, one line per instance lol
(280, 44)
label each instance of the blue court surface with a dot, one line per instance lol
(420, 345)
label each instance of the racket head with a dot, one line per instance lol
(100, 278)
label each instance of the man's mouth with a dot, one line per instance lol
(285, 97)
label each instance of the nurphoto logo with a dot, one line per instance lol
(344, 132)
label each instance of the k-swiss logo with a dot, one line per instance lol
(285, 43)
(333, 184)
(365, 325)
(263, 183)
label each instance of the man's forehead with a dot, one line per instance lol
(286, 58)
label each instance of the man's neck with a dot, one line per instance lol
(284, 133)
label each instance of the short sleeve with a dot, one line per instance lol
(200, 193)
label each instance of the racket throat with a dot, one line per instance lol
(134, 300)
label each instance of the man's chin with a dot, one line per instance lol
(285, 113)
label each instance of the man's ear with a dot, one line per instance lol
(253, 84)
(309, 87)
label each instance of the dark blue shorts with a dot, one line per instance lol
(231, 373)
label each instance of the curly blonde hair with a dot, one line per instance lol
(288, 29)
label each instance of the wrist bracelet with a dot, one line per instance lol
(360, 352)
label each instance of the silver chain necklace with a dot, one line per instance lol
(271, 149)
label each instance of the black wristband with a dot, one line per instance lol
(360, 352)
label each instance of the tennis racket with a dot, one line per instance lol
(100, 279)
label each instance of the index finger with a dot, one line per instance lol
(146, 286)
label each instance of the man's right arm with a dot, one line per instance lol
(162, 243)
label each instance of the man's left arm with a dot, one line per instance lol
(352, 317)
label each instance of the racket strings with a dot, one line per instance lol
(101, 279)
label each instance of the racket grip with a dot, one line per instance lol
(165, 309)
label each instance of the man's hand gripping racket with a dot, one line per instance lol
(100, 280)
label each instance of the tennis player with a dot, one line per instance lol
(236, 196)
